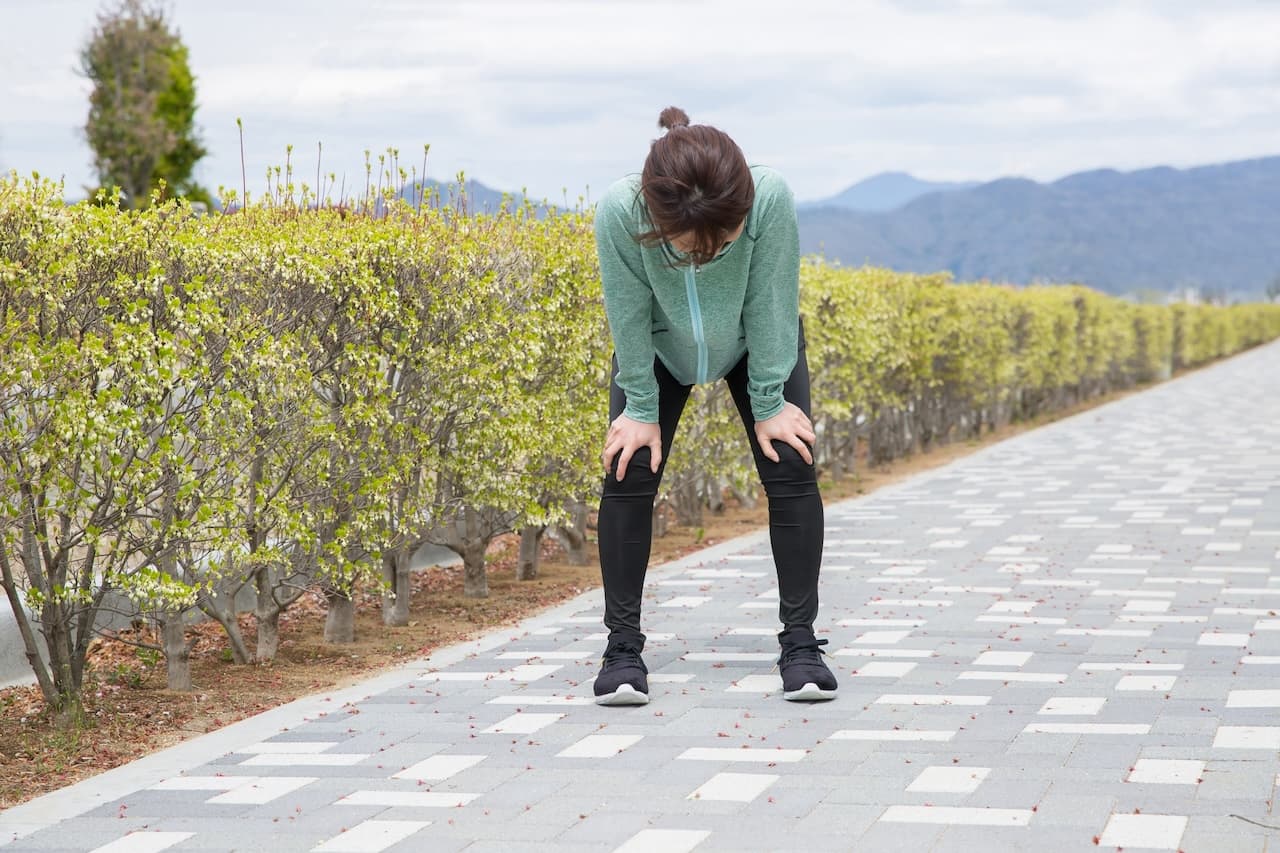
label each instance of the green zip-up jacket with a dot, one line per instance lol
(701, 321)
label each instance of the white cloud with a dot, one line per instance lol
(553, 94)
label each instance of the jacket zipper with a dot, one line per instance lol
(695, 314)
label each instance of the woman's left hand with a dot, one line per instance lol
(791, 426)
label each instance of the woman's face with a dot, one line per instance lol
(683, 243)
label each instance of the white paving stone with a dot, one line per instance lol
(663, 841)
(1247, 737)
(756, 684)
(931, 699)
(144, 841)
(262, 790)
(522, 724)
(856, 651)
(1146, 682)
(758, 755)
(439, 767)
(949, 780)
(1143, 831)
(957, 815)
(912, 602)
(883, 623)
(407, 799)
(1088, 728)
(686, 601)
(1166, 771)
(1253, 699)
(1213, 638)
(734, 787)
(1015, 677)
(883, 669)
(1073, 705)
(1129, 666)
(203, 783)
(372, 836)
(599, 746)
(741, 657)
(520, 699)
(1002, 659)
(1011, 607)
(876, 637)
(1145, 606)
(894, 734)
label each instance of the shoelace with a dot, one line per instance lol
(805, 651)
(622, 652)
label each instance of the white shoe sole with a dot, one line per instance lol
(624, 695)
(809, 693)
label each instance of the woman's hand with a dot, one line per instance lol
(790, 426)
(626, 437)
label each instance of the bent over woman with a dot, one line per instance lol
(699, 257)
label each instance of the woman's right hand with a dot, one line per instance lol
(625, 438)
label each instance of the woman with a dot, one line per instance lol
(699, 256)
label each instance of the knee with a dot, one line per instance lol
(790, 475)
(638, 480)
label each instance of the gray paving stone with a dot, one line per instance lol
(966, 839)
(1063, 806)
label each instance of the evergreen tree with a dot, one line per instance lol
(141, 123)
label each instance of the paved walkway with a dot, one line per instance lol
(1067, 640)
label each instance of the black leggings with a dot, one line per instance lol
(795, 506)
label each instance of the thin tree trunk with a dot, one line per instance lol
(745, 498)
(659, 519)
(43, 677)
(715, 495)
(268, 644)
(340, 619)
(475, 580)
(230, 626)
(397, 573)
(177, 654)
(573, 538)
(267, 615)
(530, 553)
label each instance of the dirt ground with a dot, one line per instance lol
(130, 713)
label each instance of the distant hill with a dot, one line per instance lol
(475, 196)
(886, 191)
(1211, 227)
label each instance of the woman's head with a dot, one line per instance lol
(697, 187)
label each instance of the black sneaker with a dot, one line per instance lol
(805, 677)
(623, 677)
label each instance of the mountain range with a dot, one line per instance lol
(1211, 228)
(886, 191)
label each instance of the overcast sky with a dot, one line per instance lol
(565, 95)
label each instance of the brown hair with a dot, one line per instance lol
(695, 182)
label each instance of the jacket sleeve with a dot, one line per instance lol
(628, 303)
(771, 308)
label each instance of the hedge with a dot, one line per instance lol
(286, 396)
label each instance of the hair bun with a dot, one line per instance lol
(673, 117)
